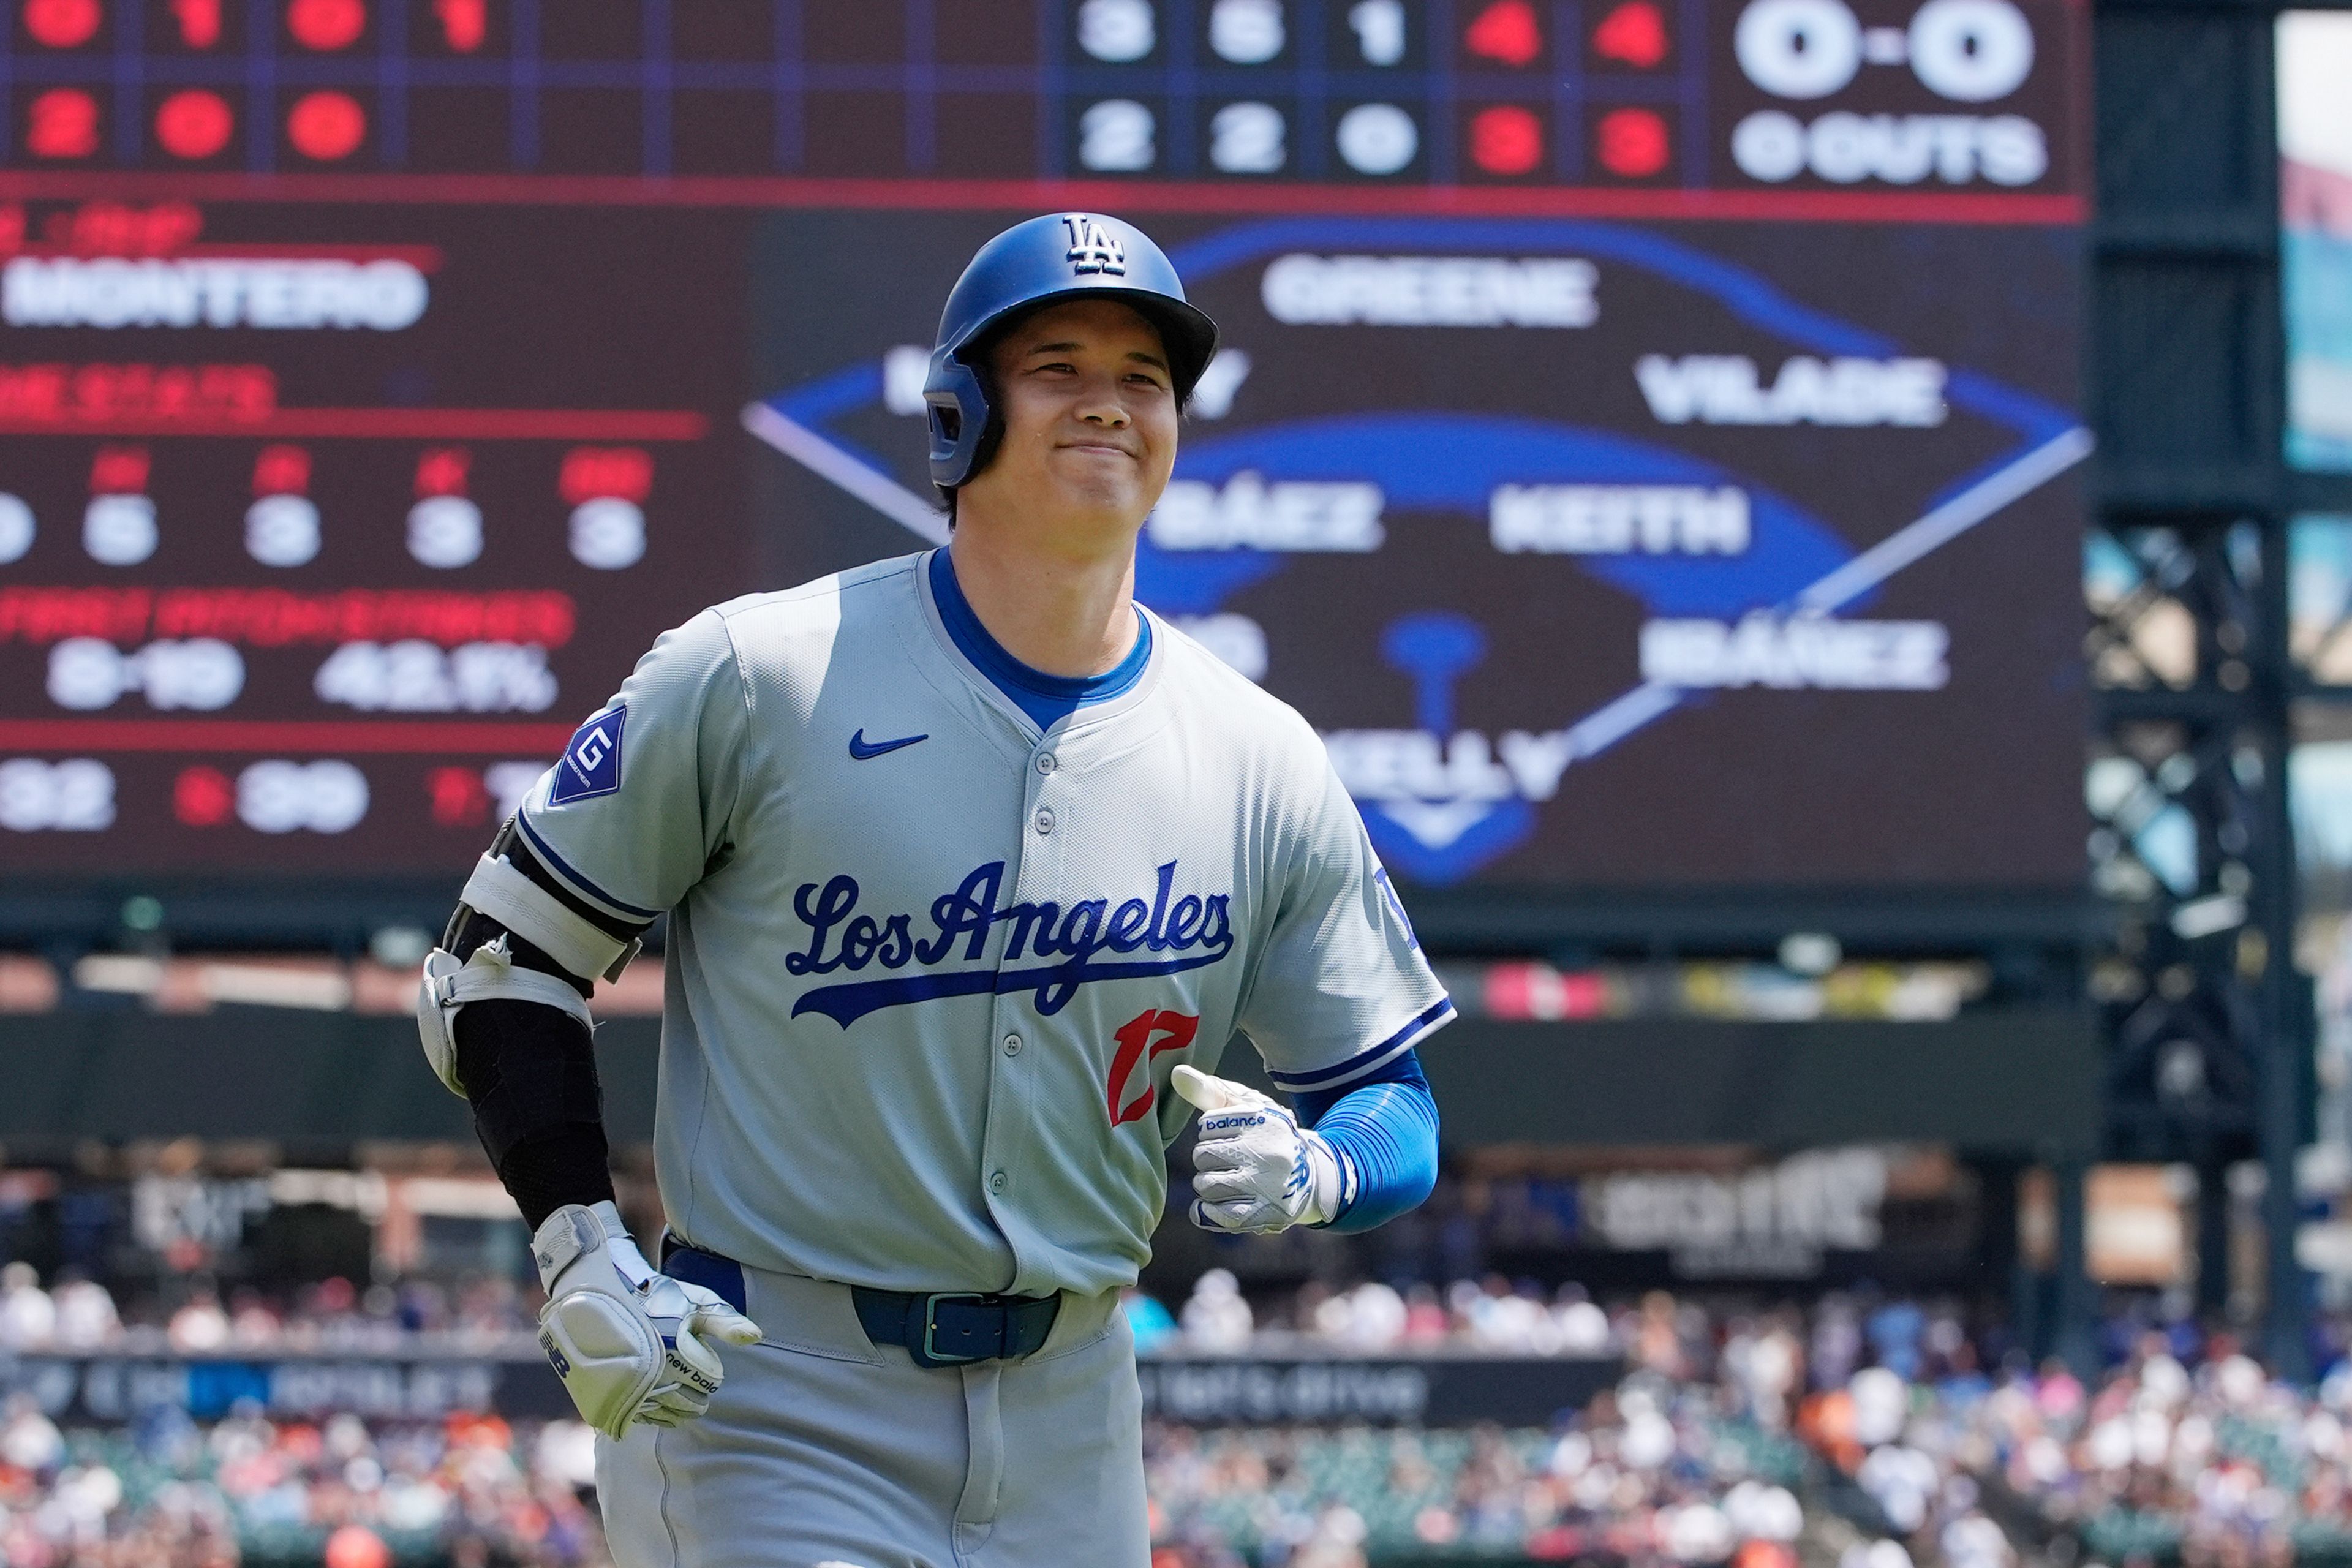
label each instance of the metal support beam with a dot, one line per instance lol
(2212, 1236)
(2284, 1001)
(2077, 1342)
(2211, 1029)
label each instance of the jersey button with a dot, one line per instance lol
(996, 1183)
(1045, 819)
(1012, 1044)
(1046, 762)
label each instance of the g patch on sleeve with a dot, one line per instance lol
(591, 764)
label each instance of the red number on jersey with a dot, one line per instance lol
(1142, 1038)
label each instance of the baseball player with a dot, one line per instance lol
(974, 867)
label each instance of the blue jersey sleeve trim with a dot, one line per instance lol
(1314, 1105)
(1385, 1133)
(563, 869)
(1364, 1062)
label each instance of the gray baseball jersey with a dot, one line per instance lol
(929, 968)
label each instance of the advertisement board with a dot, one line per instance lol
(516, 1382)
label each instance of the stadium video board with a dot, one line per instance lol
(1641, 443)
(2314, 132)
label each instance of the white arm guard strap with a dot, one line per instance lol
(447, 985)
(499, 890)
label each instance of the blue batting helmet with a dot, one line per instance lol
(1061, 257)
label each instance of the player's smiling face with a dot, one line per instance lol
(1089, 412)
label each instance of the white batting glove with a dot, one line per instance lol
(628, 1341)
(1255, 1168)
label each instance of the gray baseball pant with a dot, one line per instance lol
(822, 1451)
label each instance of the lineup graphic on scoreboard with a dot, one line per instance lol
(1598, 551)
(1547, 524)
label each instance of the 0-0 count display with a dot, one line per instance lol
(1402, 95)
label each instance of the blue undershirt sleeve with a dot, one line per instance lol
(1385, 1127)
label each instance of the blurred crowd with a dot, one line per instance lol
(1875, 1432)
(167, 1493)
(1727, 1429)
(1933, 1437)
(76, 1314)
(2186, 1451)
(1375, 1318)
(1649, 1473)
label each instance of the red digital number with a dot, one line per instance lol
(325, 126)
(1505, 140)
(1634, 33)
(281, 471)
(1632, 143)
(325, 25)
(200, 21)
(463, 24)
(62, 24)
(202, 797)
(593, 471)
(459, 797)
(195, 124)
(441, 471)
(118, 471)
(1507, 31)
(62, 124)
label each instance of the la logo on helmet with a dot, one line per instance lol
(1093, 248)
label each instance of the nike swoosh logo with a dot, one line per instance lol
(866, 751)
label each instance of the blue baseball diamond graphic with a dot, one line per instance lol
(1441, 460)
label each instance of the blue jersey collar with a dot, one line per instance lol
(1045, 699)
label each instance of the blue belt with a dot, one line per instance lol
(945, 1327)
(722, 1277)
(937, 1327)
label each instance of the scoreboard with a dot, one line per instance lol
(314, 538)
(1642, 444)
(1417, 99)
